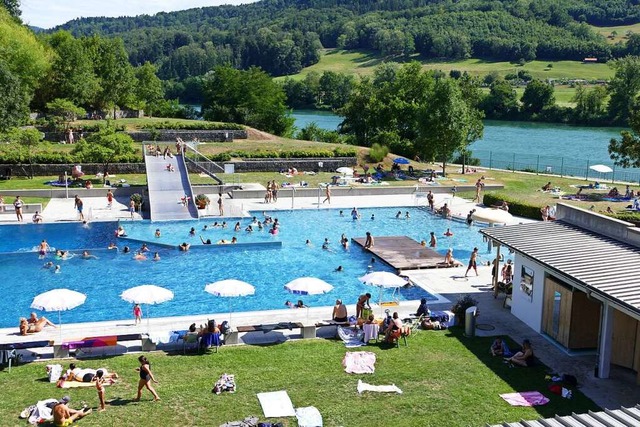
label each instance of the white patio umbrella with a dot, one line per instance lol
(308, 286)
(147, 294)
(601, 168)
(492, 216)
(230, 288)
(345, 170)
(58, 300)
(383, 279)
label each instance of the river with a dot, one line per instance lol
(556, 148)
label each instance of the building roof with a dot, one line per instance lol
(623, 417)
(605, 265)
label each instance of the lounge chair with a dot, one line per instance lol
(190, 341)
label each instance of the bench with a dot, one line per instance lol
(27, 208)
(62, 349)
(307, 331)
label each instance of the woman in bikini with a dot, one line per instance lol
(29, 327)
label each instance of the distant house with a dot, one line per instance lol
(590, 60)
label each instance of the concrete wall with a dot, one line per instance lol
(277, 165)
(598, 223)
(90, 169)
(525, 308)
(59, 193)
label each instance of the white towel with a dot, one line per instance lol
(309, 417)
(276, 404)
(378, 388)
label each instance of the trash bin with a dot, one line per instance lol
(229, 168)
(470, 321)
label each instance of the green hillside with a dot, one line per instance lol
(364, 62)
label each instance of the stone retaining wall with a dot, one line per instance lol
(90, 169)
(276, 165)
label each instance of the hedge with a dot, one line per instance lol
(290, 154)
(516, 207)
(169, 125)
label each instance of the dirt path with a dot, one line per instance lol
(257, 135)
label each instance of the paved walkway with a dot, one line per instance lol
(618, 390)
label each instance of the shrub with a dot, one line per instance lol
(461, 306)
(137, 199)
(516, 207)
(202, 201)
(378, 152)
(198, 125)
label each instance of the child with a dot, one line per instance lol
(137, 313)
(100, 387)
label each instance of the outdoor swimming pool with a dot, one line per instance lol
(186, 274)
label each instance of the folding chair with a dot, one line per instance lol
(190, 341)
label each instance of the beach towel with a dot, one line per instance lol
(526, 398)
(359, 362)
(351, 337)
(309, 417)
(40, 412)
(276, 404)
(80, 384)
(378, 388)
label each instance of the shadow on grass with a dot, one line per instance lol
(118, 401)
(524, 379)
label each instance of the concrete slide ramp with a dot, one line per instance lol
(166, 189)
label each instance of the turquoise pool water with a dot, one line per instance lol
(186, 274)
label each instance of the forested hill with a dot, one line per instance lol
(283, 36)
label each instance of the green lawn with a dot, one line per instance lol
(447, 380)
(621, 31)
(363, 63)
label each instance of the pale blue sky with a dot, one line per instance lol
(49, 13)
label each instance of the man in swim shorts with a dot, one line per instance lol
(79, 205)
(64, 416)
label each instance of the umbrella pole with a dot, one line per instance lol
(60, 324)
(148, 309)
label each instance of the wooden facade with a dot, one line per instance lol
(569, 316)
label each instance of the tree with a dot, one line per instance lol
(148, 90)
(624, 87)
(14, 99)
(105, 146)
(63, 112)
(13, 7)
(449, 124)
(501, 101)
(537, 96)
(589, 103)
(115, 74)
(625, 151)
(27, 140)
(247, 97)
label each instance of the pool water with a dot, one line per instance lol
(268, 268)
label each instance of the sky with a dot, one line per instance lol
(49, 13)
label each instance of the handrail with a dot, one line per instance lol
(198, 164)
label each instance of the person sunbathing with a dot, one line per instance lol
(85, 375)
(524, 357)
(28, 327)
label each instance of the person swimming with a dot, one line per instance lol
(157, 233)
(339, 269)
(126, 250)
(139, 256)
(156, 256)
(112, 246)
(57, 269)
(48, 264)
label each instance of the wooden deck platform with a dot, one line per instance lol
(403, 253)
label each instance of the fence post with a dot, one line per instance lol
(561, 167)
(513, 163)
(538, 164)
(586, 177)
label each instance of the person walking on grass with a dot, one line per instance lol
(146, 377)
(99, 379)
(473, 262)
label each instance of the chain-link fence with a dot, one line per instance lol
(556, 165)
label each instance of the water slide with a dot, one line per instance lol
(168, 188)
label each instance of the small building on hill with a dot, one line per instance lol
(590, 60)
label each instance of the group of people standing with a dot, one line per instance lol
(271, 196)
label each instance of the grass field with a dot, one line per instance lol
(446, 379)
(621, 31)
(363, 63)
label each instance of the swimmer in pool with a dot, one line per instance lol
(144, 248)
(205, 228)
(192, 232)
(406, 215)
(205, 242)
(112, 246)
(373, 217)
(339, 269)
(249, 228)
(448, 233)
(224, 224)
(158, 234)
(308, 243)
(156, 256)
(234, 240)
(48, 265)
(399, 214)
(87, 255)
(139, 256)
(341, 213)
(43, 248)
(126, 250)
(237, 227)
(62, 254)
(57, 269)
